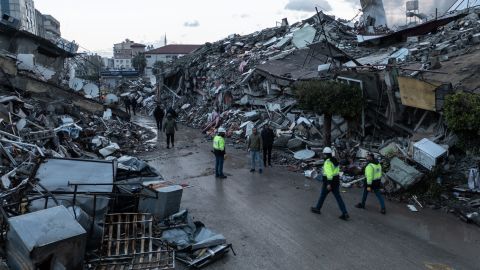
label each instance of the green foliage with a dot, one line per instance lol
(330, 97)
(462, 112)
(158, 67)
(139, 62)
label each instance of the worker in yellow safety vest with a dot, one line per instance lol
(373, 176)
(219, 151)
(331, 183)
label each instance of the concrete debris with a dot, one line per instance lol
(67, 145)
(403, 174)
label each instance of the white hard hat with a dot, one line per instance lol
(221, 130)
(327, 150)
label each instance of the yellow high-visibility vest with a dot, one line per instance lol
(219, 143)
(373, 172)
(330, 170)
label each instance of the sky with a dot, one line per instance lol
(97, 24)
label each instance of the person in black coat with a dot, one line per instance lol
(133, 103)
(158, 113)
(268, 137)
(126, 102)
(172, 112)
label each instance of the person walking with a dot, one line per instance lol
(373, 176)
(169, 128)
(268, 137)
(219, 151)
(172, 111)
(331, 183)
(133, 103)
(158, 113)
(255, 145)
(126, 102)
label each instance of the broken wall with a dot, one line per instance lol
(46, 58)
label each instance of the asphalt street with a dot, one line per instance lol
(267, 218)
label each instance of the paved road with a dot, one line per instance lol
(267, 219)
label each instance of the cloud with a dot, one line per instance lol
(308, 5)
(194, 23)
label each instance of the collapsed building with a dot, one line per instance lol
(243, 82)
(73, 193)
(115, 211)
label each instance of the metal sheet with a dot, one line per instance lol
(430, 148)
(57, 173)
(427, 153)
(45, 227)
(50, 236)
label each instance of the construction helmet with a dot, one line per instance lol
(221, 130)
(327, 150)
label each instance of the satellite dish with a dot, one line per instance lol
(76, 84)
(110, 99)
(91, 90)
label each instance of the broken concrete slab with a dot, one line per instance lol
(403, 174)
(304, 36)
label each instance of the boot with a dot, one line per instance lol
(360, 205)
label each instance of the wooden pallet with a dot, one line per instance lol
(128, 244)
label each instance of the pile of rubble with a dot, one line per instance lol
(243, 82)
(68, 178)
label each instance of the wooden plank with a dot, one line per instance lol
(127, 236)
(117, 250)
(110, 234)
(418, 94)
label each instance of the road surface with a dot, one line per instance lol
(267, 218)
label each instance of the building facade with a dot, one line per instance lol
(48, 27)
(124, 52)
(167, 54)
(21, 10)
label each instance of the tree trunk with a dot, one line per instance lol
(327, 130)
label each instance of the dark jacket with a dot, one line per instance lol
(133, 102)
(255, 142)
(170, 126)
(158, 113)
(172, 112)
(268, 137)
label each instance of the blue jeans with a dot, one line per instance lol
(379, 196)
(336, 192)
(255, 158)
(219, 165)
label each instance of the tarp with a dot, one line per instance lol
(193, 236)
